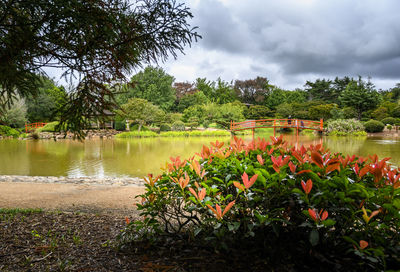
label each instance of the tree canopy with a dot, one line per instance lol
(95, 43)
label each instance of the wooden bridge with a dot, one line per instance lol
(33, 126)
(297, 124)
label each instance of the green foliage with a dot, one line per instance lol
(257, 112)
(165, 127)
(278, 200)
(196, 133)
(102, 41)
(178, 126)
(135, 127)
(15, 116)
(173, 117)
(197, 98)
(360, 95)
(343, 127)
(224, 93)
(9, 132)
(141, 111)
(154, 85)
(322, 111)
(390, 120)
(374, 126)
(275, 98)
(47, 103)
(49, 127)
(136, 134)
(380, 113)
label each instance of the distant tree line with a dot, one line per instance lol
(152, 97)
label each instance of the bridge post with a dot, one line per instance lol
(322, 125)
(274, 127)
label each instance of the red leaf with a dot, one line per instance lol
(313, 215)
(238, 185)
(304, 171)
(228, 207)
(363, 244)
(317, 159)
(332, 167)
(292, 167)
(202, 194)
(324, 215)
(307, 186)
(193, 192)
(260, 159)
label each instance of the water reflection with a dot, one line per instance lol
(137, 157)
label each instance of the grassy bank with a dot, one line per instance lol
(194, 133)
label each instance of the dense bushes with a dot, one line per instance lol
(345, 127)
(178, 126)
(304, 205)
(165, 127)
(374, 126)
(390, 121)
(9, 132)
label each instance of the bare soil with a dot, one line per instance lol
(70, 197)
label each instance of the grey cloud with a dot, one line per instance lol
(325, 38)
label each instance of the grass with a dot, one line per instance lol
(194, 133)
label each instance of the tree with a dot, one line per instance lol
(252, 91)
(207, 87)
(154, 85)
(257, 112)
(183, 88)
(141, 111)
(275, 98)
(224, 92)
(48, 102)
(16, 115)
(191, 99)
(361, 96)
(96, 43)
(320, 90)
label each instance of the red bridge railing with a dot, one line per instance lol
(33, 126)
(298, 124)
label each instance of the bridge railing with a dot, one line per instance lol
(278, 123)
(33, 126)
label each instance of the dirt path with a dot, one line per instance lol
(70, 197)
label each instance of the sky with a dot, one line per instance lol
(292, 41)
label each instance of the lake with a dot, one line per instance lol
(138, 157)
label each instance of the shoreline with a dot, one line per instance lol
(109, 181)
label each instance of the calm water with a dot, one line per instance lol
(137, 157)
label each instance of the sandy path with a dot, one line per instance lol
(70, 197)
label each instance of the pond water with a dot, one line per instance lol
(138, 157)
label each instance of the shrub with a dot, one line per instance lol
(9, 132)
(389, 120)
(343, 127)
(165, 127)
(298, 204)
(135, 127)
(206, 123)
(178, 126)
(374, 126)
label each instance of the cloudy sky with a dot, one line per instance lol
(292, 41)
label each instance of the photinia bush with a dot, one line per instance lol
(305, 202)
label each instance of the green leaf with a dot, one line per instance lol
(328, 222)
(314, 237)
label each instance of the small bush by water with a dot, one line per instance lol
(343, 127)
(9, 132)
(374, 126)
